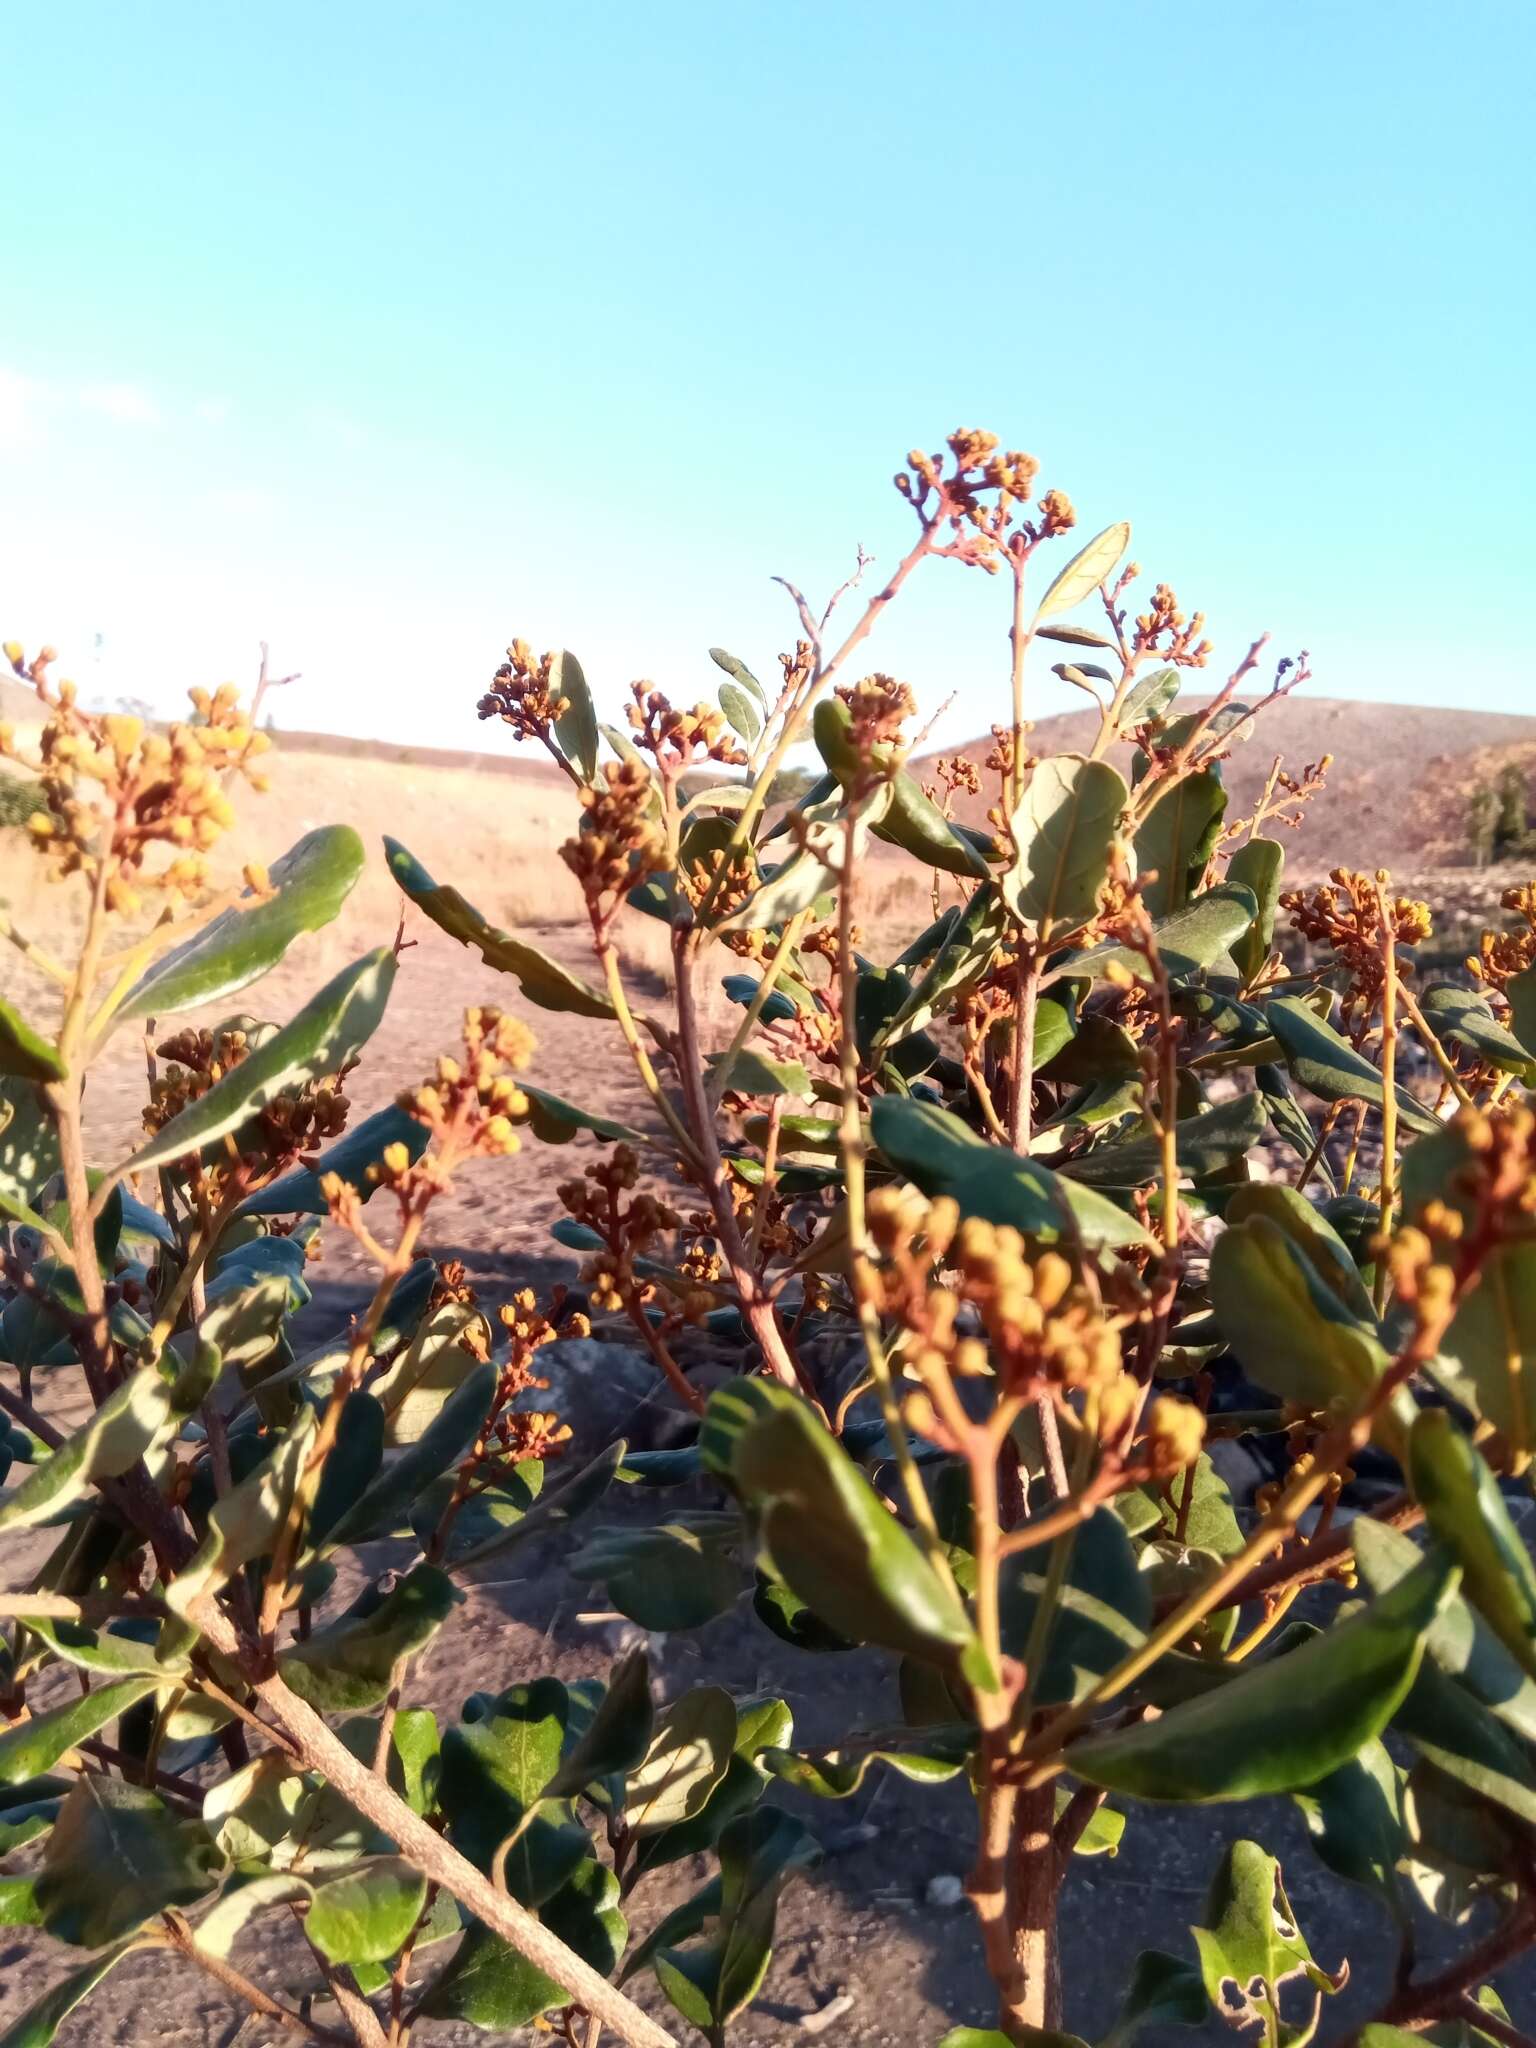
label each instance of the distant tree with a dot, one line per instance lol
(1511, 824)
(1482, 821)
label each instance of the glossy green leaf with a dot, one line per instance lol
(350, 1664)
(742, 711)
(1100, 1613)
(826, 1530)
(618, 1736)
(1466, 1510)
(555, 1121)
(813, 867)
(365, 1915)
(106, 1830)
(573, 1496)
(424, 1374)
(1207, 1144)
(753, 1073)
(928, 1756)
(673, 1575)
(244, 1523)
(1189, 939)
(331, 1029)
(250, 1813)
(576, 727)
(738, 671)
(1088, 568)
(24, 1054)
(1521, 991)
(1354, 1817)
(543, 981)
(915, 823)
(129, 1424)
(1149, 698)
(759, 1855)
(1163, 1992)
(1291, 1331)
(943, 1156)
(1258, 864)
(1177, 838)
(1209, 1521)
(494, 1768)
(29, 1748)
(1289, 1210)
(1253, 1945)
(298, 1193)
(954, 968)
(1247, 1738)
(29, 1149)
(386, 1503)
(491, 1986)
(1464, 1017)
(1063, 830)
(1326, 1064)
(688, 1755)
(310, 883)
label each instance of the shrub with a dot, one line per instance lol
(988, 1226)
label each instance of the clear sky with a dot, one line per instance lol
(388, 332)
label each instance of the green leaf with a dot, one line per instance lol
(29, 1748)
(244, 1524)
(675, 1575)
(573, 1496)
(739, 672)
(1064, 829)
(1328, 1066)
(688, 1756)
(955, 967)
(814, 866)
(1211, 1521)
(311, 882)
(1207, 1145)
(618, 1736)
(943, 1156)
(298, 1193)
(543, 981)
(753, 1073)
(1163, 1992)
(1258, 865)
(365, 1915)
(38, 2026)
(927, 1756)
(1100, 1613)
(576, 727)
(107, 1830)
(424, 1373)
(23, 1053)
(1177, 838)
(1150, 698)
(1466, 1510)
(1492, 1343)
(489, 1984)
(1088, 568)
(1355, 1819)
(555, 1121)
(350, 1664)
(1291, 1331)
(494, 1767)
(759, 1855)
(1290, 1211)
(826, 1530)
(129, 1424)
(1247, 1738)
(385, 1505)
(1253, 1946)
(1188, 940)
(1465, 1017)
(742, 711)
(917, 825)
(1521, 991)
(331, 1029)
(29, 1149)
(251, 1812)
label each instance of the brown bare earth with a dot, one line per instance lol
(492, 826)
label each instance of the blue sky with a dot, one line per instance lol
(390, 332)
